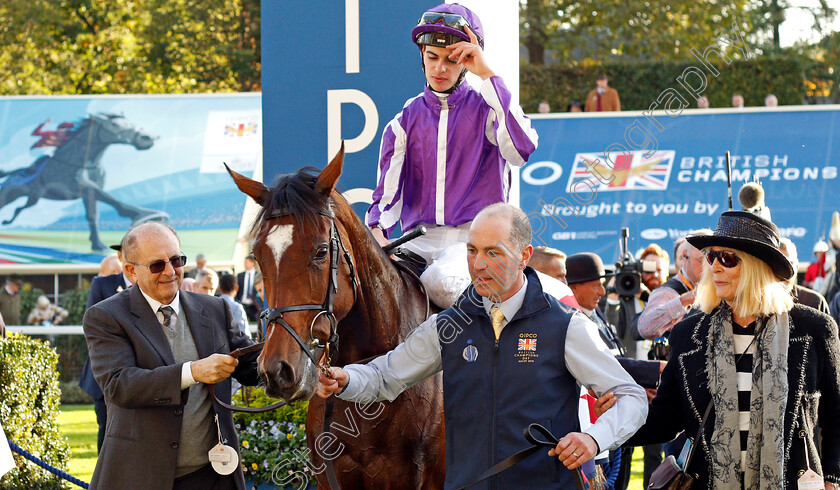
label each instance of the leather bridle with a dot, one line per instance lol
(274, 316)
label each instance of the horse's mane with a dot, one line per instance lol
(295, 195)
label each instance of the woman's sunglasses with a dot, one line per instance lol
(158, 266)
(727, 258)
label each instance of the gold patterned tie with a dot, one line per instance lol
(496, 318)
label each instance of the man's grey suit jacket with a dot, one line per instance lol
(134, 365)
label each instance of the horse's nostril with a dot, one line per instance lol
(285, 372)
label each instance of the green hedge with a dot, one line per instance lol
(791, 78)
(255, 397)
(29, 404)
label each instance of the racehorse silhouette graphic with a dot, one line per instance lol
(74, 172)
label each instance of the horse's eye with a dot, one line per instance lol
(321, 253)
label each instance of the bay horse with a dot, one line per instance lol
(74, 171)
(395, 445)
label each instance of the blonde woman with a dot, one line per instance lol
(769, 369)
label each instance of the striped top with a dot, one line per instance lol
(743, 336)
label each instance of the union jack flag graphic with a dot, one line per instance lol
(527, 344)
(624, 171)
(240, 129)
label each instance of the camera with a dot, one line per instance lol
(661, 350)
(628, 278)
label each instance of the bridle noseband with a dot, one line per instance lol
(275, 315)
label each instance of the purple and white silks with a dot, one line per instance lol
(445, 158)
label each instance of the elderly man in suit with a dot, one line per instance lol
(156, 352)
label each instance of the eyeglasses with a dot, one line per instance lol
(727, 258)
(158, 266)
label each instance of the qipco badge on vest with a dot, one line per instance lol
(223, 458)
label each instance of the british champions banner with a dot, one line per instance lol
(663, 175)
(77, 172)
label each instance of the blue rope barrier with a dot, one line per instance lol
(52, 469)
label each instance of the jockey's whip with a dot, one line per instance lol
(411, 235)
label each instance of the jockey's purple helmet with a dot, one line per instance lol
(446, 24)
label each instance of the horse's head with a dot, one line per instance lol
(116, 129)
(308, 274)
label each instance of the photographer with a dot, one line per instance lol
(654, 272)
(669, 304)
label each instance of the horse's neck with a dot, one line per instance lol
(388, 306)
(80, 149)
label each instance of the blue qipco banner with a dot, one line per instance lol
(664, 176)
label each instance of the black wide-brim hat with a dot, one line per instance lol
(747, 232)
(584, 267)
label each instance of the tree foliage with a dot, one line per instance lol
(766, 16)
(634, 30)
(129, 46)
(594, 31)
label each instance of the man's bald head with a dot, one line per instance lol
(143, 230)
(146, 247)
(110, 265)
(519, 235)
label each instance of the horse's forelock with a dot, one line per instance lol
(294, 195)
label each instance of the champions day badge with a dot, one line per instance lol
(526, 349)
(470, 352)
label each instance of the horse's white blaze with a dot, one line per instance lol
(279, 239)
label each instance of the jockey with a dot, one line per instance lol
(51, 139)
(447, 154)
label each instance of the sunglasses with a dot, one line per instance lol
(727, 258)
(158, 266)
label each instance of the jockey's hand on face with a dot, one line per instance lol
(327, 386)
(471, 56)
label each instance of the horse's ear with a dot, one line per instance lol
(256, 189)
(329, 176)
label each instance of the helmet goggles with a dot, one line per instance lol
(447, 36)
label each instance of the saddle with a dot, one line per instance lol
(410, 260)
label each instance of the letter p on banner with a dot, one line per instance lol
(335, 98)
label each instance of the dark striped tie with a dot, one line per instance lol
(167, 312)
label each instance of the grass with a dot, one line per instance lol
(637, 470)
(78, 424)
